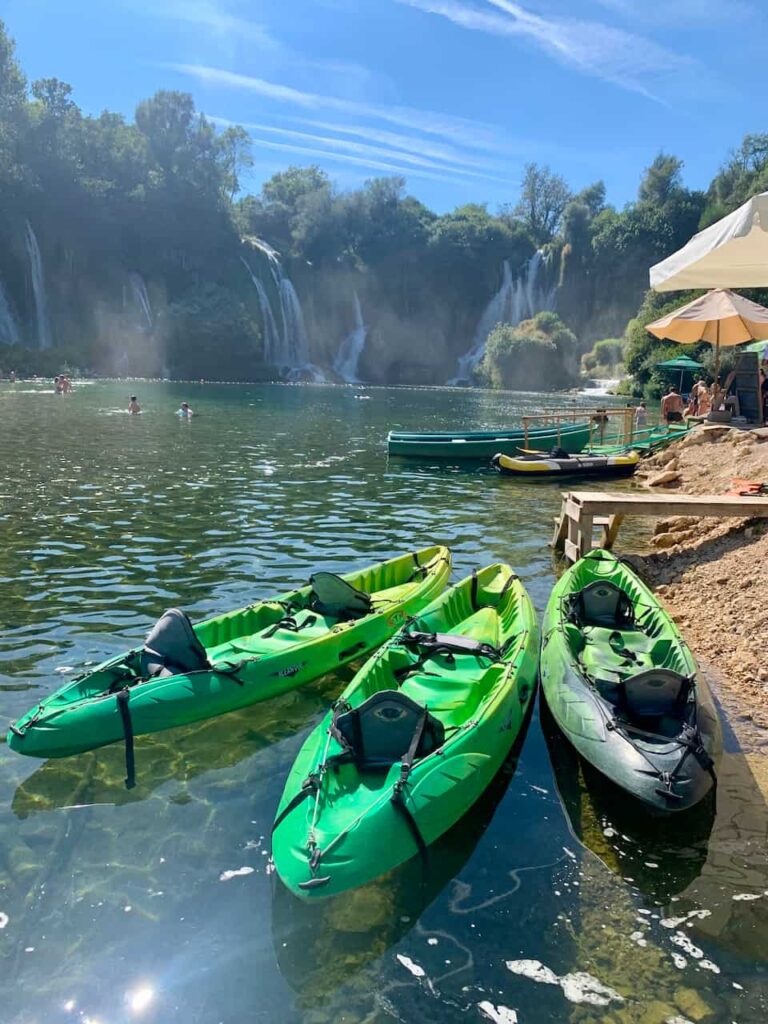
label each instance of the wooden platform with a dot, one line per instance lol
(582, 511)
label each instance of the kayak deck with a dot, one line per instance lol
(465, 668)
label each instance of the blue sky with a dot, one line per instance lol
(457, 95)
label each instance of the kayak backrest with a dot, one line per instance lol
(332, 595)
(172, 647)
(655, 693)
(602, 603)
(380, 731)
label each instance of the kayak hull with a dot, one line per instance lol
(571, 438)
(82, 716)
(532, 467)
(589, 720)
(356, 824)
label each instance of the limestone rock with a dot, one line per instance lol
(667, 476)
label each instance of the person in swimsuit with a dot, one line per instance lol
(133, 406)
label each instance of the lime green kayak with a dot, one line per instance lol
(624, 688)
(186, 673)
(413, 741)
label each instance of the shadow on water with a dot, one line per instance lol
(662, 856)
(320, 946)
(97, 777)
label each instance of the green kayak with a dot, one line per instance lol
(413, 741)
(623, 686)
(571, 437)
(186, 673)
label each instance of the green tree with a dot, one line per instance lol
(543, 198)
(537, 354)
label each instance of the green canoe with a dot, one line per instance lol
(183, 673)
(413, 741)
(623, 686)
(484, 444)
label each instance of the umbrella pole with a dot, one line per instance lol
(717, 367)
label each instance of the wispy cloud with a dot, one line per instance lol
(407, 157)
(212, 15)
(460, 131)
(328, 149)
(592, 47)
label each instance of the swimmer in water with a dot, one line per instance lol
(133, 406)
(185, 412)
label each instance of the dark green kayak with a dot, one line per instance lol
(413, 741)
(624, 688)
(186, 673)
(484, 444)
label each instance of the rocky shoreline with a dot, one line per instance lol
(712, 574)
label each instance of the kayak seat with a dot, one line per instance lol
(454, 697)
(655, 693)
(382, 729)
(601, 603)
(332, 595)
(172, 648)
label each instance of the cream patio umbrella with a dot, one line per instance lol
(732, 253)
(721, 317)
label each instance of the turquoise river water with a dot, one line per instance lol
(552, 901)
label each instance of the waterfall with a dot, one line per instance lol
(286, 343)
(271, 332)
(350, 350)
(9, 331)
(38, 289)
(518, 298)
(139, 289)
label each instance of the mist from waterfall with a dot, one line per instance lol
(351, 348)
(286, 342)
(38, 289)
(141, 296)
(519, 298)
(9, 330)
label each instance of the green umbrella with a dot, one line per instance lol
(682, 363)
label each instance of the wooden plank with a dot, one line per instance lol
(611, 531)
(585, 534)
(659, 505)
(571, 551)
(560, 532)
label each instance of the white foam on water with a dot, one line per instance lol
(533, 969)
(432, 941)
(410, 965)
(746, 896)
(581, 987)
(679, 961)
(498, 1014)
(685, 943)
(677, 1020)
(609, 832)
(707, 965)
(4, 919)
(235, 873)
(675, 922)
(578, 987)
(638, 938)
(540, 789)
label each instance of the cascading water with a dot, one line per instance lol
(9, 331)
(286, 343)
(38, 289)
(517, 299)
(351, 348)
(141, 296)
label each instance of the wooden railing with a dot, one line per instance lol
(616, 425)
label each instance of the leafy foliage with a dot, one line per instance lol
(537, 354)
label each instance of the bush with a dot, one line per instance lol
(538, 354)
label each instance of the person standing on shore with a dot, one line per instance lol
(641, 416)
(672, 406)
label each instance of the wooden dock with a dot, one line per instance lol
(584, 511)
